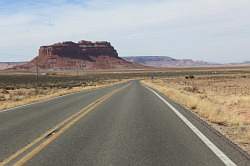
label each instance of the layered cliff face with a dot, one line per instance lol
(84, 54)
(84, 50)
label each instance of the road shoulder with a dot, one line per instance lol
(231, 149)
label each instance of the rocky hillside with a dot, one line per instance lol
(164, 61)
(81, 55)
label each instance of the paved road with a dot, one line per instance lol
(133, 127)
(20, 126)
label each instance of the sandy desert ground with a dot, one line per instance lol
(223, 101)
(12, 97)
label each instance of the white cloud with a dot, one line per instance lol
(214, 30)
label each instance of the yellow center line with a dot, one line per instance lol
(63, 126)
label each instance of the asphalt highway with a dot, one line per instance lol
(122, 125)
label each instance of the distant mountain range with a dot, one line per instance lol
(165, 61)
(241, 64)
(7, 65)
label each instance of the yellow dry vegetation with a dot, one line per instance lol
(227, 111)
(17, 97)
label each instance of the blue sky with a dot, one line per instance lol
(209, 30)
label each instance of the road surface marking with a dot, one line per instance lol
(43, 100)
(223, 157)
(54, 98)
(44, 140)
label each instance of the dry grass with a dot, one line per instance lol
(222, 101)
(17, 97)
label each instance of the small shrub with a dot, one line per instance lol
(189, 77)
(2, 98)
(4, 91)
(193, 107)
(9, 88)
(192, 89)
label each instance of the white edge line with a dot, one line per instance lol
(223, 157)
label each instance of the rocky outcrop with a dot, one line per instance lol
(84, 50)
(81, 55)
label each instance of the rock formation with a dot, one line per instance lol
(81, 55)
(84, 50)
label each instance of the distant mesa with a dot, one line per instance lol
(165, 61)
(82, 55)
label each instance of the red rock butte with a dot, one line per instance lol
(82, 55)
